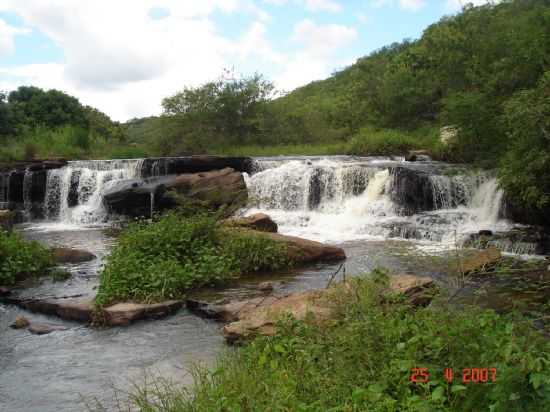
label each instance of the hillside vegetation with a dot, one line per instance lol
(484, 71)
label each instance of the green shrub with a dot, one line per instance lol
(165, 259)
(20, 258)
(362, 361)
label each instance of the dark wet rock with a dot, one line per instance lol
(519, 213)
(265, 287)
(122, 314)
(21, 322)
(7, 219)
(44, 328)
(524, 240)
(418, 156)
(194, 164)
(4, 292)
(68, 255)
(412, 190)
(485, 233)
(13, 174)
(258, 221)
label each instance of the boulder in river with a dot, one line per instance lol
(217, 188)
(7, 218)
(83, 309)
(68, 255)
(4, 291)
(214, 189)
(476, 261)
(122, 314)
(304, 251)
(21, 322)
(418, 156)
(259, 221)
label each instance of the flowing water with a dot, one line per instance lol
(355, 203)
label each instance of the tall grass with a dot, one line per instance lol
(66, 142)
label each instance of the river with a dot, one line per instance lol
(355, 203)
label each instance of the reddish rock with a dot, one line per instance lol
(258, 221)
(304, 251)
(44, 328)
(68, 255)
(122, 314)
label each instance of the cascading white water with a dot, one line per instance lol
(85, 181)
(337, 201)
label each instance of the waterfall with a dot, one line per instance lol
(341, 200)
(74, 193)
(27, 194)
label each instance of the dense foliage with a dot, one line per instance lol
(363, 360)
(20, 258)
(165, 259)
(35, 123)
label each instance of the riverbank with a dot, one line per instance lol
(374, 354)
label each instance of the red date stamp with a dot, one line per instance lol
(469, 375)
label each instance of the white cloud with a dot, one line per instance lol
(321, 40)
(323, 5)
(458, 4)
(315, 60)
(411, 5)
(331, 6)
(120, 59)
(7, 37)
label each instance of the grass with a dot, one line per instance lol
(21, 259)
(165, 259)
(284, 150)
(363, 359)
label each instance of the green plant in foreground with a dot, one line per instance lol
(165, 259)
(362, 361)
(20, 258)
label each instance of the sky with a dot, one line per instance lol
(124, 56)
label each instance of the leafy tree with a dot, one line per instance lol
(525, 169)
(225, 111)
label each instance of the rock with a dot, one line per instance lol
(258, 221)
(4, 292)
(44, 328)
(228, 312)
(265, 286)
(122, 314)
(262, 319)
(485, 233)
(21, 322)
(303, 251)
(259, 316)
(521, 240)
(68, 255)
(448, 134)
(473, 261)
(80, 310)
(420, 290)
(7, 219)
(140, 197)
(195, 164)
(412, 190)
(418, 156)
(218, 188)
(83, 310)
